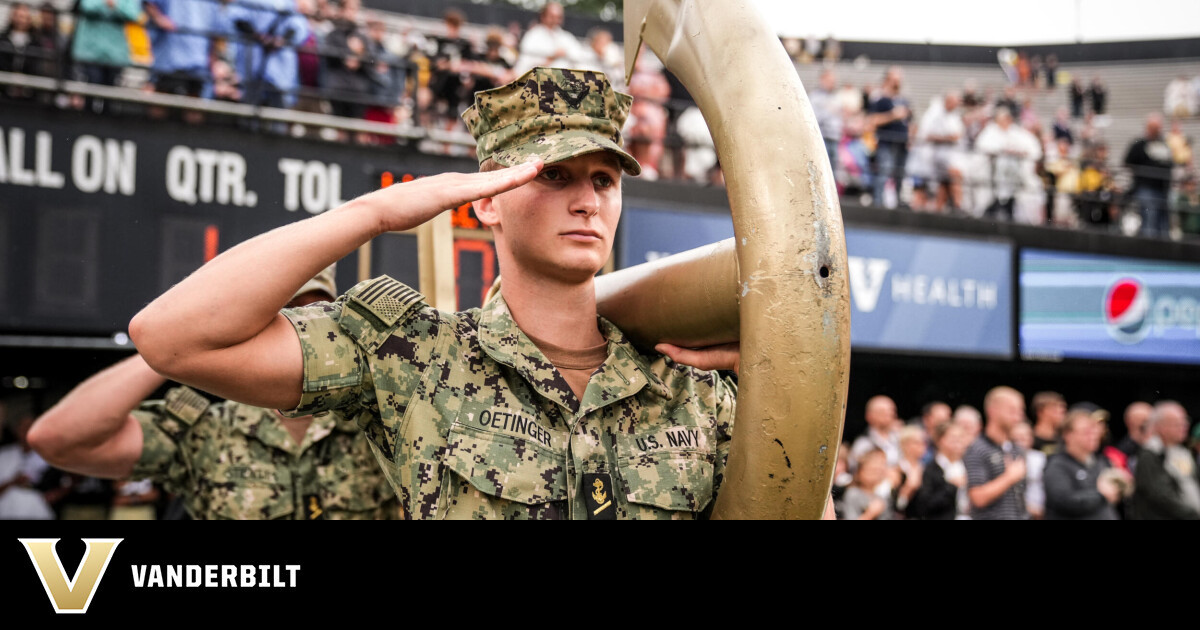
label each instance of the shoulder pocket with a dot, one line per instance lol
(185, 404)
(375, 307)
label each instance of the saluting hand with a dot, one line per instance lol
(405, 206)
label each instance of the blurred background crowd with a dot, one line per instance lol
(1033, 141)
(1062, 463)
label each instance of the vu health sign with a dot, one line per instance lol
(929, 293)
(1105, 307)
(908, 292)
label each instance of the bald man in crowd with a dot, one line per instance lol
(1136, 415)
(996, 466)
(1167, 481)
(881, 434)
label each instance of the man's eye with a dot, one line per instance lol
(552, 174)
(604, 181)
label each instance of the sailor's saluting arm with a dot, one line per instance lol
(220, 329)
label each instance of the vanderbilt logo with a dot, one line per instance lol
(72, 596)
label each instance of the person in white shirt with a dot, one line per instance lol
(547, 44)
(1013, 151)
(943, 131)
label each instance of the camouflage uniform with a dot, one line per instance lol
(470, 420)
(233, 461)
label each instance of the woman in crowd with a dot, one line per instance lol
(944, 479)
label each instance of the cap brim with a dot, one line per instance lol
(564, 146)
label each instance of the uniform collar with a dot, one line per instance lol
(263, 425)
(623, 374)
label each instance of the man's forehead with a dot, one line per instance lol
(607, 158)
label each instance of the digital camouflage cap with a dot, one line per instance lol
(551, 113)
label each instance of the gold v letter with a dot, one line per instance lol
(76, 595)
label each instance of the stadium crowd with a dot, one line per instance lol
(984, 152)
(963, 465)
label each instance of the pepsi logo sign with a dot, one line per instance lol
(1127, 310)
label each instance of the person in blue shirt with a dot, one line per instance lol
(264, 35)
(180, 39)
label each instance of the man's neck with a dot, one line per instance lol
(559, 313)
(995, 433)
(1044, 430)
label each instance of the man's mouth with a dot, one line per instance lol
(583, 235)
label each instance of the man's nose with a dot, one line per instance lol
(584, 200)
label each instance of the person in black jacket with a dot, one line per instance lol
(943, 479)
(1167, 477)
(1079, 484)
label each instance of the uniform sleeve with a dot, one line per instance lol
(333, 362)
(162, 460)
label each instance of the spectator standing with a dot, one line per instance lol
(50, 42)
(1078, 486)
(1098, 93)
(309, 62)
(493, 69)
(824, 100)
(268, 33)
(454, 52)
(604, 55)
(889, 115)
(1167, 481)
(912, 452)
(1179, 100)
(850, 100)
(646, 127)
(1009, 101)
(1035, 464)
(933, 415)
(970, 420)
(179, 37)
(1078, 94)
(1136, 415)
(1051, 71)
(942, 495)
(1062, 126)
(996, 467)
(869, 497)
(1149, 161)
(1012, 152)
(21, 471)
(18, 49)
(1096, 192)
(1179, 144)
(1049, 409)
(345, 80)
(547, 44)
(880, 415)
(99, 45)
(943, 129)
(388, 77)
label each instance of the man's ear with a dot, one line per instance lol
(486, 211)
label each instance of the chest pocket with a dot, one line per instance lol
(351, 482)
(509, 468)
(249, 493)
(669, 469)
